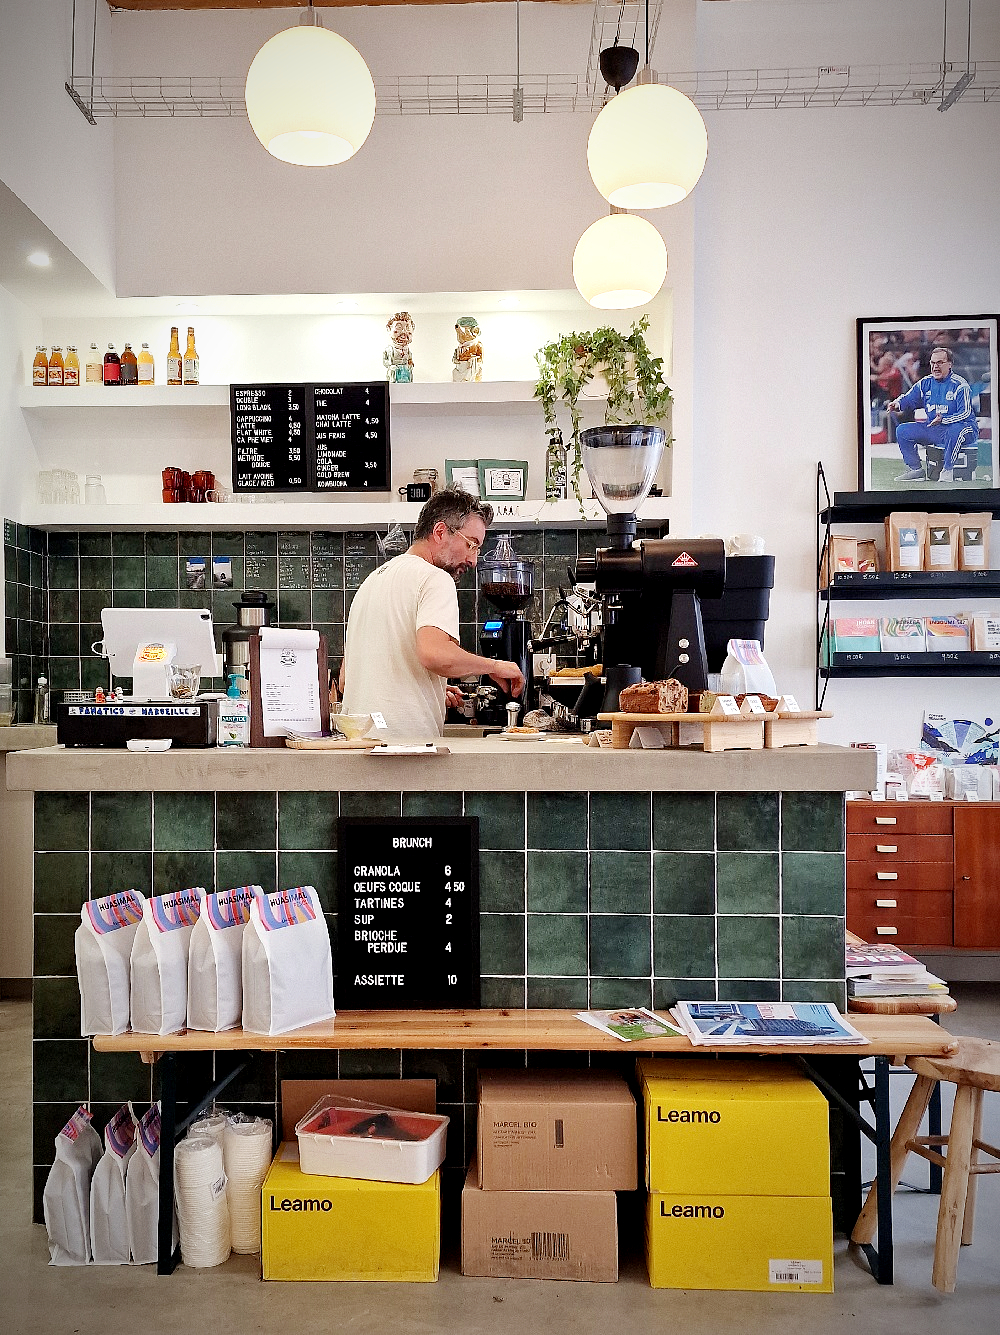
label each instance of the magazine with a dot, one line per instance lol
(782, 1023)
(870, 961)
(630, 1025)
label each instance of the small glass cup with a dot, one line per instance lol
(183, 682)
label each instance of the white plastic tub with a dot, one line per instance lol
(340, 1137)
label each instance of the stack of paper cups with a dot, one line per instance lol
(247, 1153)
(202, 1210)
(212, 1125)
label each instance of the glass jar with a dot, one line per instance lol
(93, 491)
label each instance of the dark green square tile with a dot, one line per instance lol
(620, 882)
(684, 821)
(825, 991)
(747, 821)
(246, 820)
(48, 1119)
(619, 993)
(167, 598)
(121, 820)
(292, 543)
(812, 947)
(557, 993)
(194, 544)
(64, 544)
(183, 820)
(812, 822)
(246, 868)
(501, 818)
(62, 820)
(293, 606)
(502, 994)
(95, 544)
(64, 572)
(444, 1067)
(112, 872)
(748, 947)
(60, 882)
(64, 605)
(747, 883)
(128, 544)
(619, 820)
(183, 869)
(129, 597)
(501, 943)
(64, 640)
(96, 672)
(559, 541)
(261, 572)
(161, 544)
(620, 946)
(316, 869)
(683, 883)
(161, 572)
(118, 1076)
(307, 820)
(812, 883)
(54, 953)
(557, 944)
(385, 805)
(749, 989)
(227, 544)
(260, 545)
(501, 882)
(432, 804)
(356, 571)
(557, 820)
(371, 1063)
(128, 572)
(557, 882)
(64, 674)
(59, 1070)
(191, 598)
(683, 947)
(668, 991)
(327, 606)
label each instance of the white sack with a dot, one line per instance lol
(108, 1221)
(215, 960)
(142, 1191)
(103, 944)
(159, 961)
(66, 1198)
(287, 963)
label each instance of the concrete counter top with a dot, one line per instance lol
(554, 765)
(27, 736)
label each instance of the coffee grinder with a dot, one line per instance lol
(508, 582)
(652, 587)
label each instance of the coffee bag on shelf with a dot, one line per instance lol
(103, 945)
(942, 542)
(66, 1197)
(287, 962)
(159, 962)
(905, 537)
(215, 961)
(974, 541)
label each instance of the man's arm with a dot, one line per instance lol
(913, 398)
(963, 406)
(439, 653)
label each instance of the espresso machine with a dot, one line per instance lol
(507, 581)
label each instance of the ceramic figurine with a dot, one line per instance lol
(397, 357)
(468, 356)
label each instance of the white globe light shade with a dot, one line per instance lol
(310, 97)
(620, 261)
(647, 148)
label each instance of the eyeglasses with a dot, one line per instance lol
(471, 543)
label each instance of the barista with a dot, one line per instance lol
(402, 632)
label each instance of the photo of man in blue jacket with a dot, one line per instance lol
(949, 422)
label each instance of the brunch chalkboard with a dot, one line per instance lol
(408, 912)
(310, 437)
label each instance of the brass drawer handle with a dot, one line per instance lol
(887, 876)
(885, 820)
(885, 903)
(886, 931)
(886, 848)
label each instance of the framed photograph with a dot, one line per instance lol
(927, 416)
(503, 479)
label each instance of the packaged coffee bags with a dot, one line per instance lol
(160, 959)
(974, 541)
(867, 556)
(904, 540)
(840, 556)
(103, 944)
(287, 963)
(142, 1191)
(942, 542)
(66, 1197)
(215, 961)
(108, 1221)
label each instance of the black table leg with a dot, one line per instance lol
(166, 1258)
(883, 1137)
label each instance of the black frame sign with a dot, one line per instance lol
(408, 913)
(297, 438)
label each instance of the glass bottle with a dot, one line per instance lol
(95, 367)
(129, 374)
(174, 359)
(93, 491)
(42, 700)
(112, 366)
(40, 366)
(145, 365)
(192, 364)
(55, 372)
(71, 366)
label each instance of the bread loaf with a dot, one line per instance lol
(768, 701)
(654, 697)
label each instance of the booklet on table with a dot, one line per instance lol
(630, 1025)
(782, 1023)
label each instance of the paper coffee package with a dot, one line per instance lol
(942, 542)
(159, 962)
(215, 960)
(840, 556)
(66, 1197)
(108, 1220)
(905, 534)
(103, 945)
(287, 962)
(974, 541)
(985, 631)
(142, 1191)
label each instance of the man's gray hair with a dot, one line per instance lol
(451, 506)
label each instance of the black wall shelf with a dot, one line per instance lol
(926, 584)
(916, 665)
(867, 507)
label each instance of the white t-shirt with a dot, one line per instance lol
(382, 670)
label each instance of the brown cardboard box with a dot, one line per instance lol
(555, 1131)
(539, 1234)
(298, 1096)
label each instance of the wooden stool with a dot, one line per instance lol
(973, 1069)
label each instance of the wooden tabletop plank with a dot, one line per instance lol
(538, 1030)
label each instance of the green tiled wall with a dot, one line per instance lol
(26, 624)
(599, 899)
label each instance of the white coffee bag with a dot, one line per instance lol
(103, 945)
(287, 962)
(142, 1191)
(159, 961)
(215, 960)
(66, 1197)
(108, 1220)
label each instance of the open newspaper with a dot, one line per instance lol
(782, 1023)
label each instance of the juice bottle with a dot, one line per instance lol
(55, 373)
(40, 367)
(129, 374)
(174, 359)
(95, 367)
(192, 364)
(112, 366)
(71, 366)
(145, 365)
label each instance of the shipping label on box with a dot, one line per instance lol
(746, 1128)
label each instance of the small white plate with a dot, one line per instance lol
(524, 736)
(151, 744)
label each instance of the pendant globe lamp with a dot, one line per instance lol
(619, 262)
(310, 96)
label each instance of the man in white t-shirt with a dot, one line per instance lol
(402, 632)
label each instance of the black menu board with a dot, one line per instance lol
(408, 913)
(270, 434)
(351, 432)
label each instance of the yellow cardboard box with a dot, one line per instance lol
(734, 1127)
(775, 1244)
(342, 1228)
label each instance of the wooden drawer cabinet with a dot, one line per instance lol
(899, 847)
(899, 818)
(920, 918)
(906, 876)
(977, 876)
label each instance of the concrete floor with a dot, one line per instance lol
(39, 1299)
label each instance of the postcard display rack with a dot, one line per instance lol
(872, 508)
